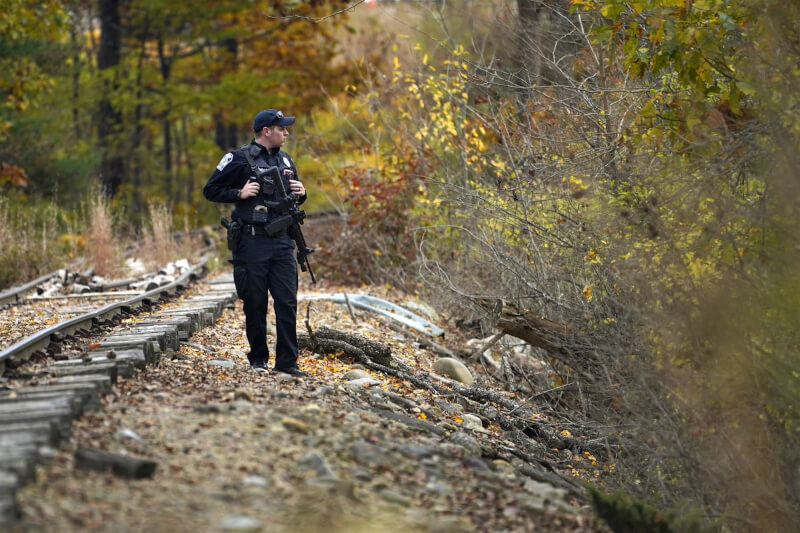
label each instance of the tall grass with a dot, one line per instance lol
(160, 243)
(104, 250)
(29, 242)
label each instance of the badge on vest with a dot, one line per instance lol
(227, 158)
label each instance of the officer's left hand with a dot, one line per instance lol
(297, 188)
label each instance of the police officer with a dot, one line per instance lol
(262, 262)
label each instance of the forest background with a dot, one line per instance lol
(626, 171)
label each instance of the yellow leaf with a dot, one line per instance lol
(587, 293)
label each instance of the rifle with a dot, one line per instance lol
(290, 217)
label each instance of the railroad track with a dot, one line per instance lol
(49, 300)
(54, 375)
(74, 284)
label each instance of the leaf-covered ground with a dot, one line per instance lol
(240, 451)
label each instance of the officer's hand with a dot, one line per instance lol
(249, 190)
(297, 187)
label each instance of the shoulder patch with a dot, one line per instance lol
(286, 161)
(227, 158)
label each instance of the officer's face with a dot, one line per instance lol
(275, 135)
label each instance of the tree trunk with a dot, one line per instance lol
(76, 74)
(226, 134)
(166, 65)
(138, 131)
(544, 43)
(109, 119)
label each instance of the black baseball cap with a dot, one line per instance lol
(271, 117)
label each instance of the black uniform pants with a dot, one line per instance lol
(267, 264)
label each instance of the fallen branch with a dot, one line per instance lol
(377, 356)
(325, 340)
(121, 465)
(556, 339)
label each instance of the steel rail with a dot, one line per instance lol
(40, 340)
(12, 295)
(15, 294)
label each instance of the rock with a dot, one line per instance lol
(503, 466)
(255, 481)
(388, 406)
(547, 492)
(362, 382)
(356, 374)
(439, 487)
(472, 422)
(242, 394)
(317, 464)
(531, 504)
(476, 463)
(392, 496)
(469, 443)
(293, 424)
(223, 363)
(453, 369)
(240, 523)
(311, 411)
(368, 454)
(343, 487)
(447, 407)
(129, 434)
(240, 405)
(209, 408)
(416, 452)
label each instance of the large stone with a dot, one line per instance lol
(356, 374)
(317, 464)
(470, 444)
(473, 422)
(223, 363)
(362, 382)
(368, 454)
(453, 369)
(240, 523)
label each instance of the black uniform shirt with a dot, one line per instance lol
(233, 171)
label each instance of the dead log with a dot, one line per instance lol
(121, 465)
(516, 417)
(535, 329)
(560, 342)
(375, 356)
(324, 340)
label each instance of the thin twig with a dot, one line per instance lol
(488, 345)
(349, 308)
(320, 19)
(311, 335)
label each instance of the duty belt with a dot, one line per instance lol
(253, 230)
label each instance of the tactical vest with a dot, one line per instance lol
(243, 209)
